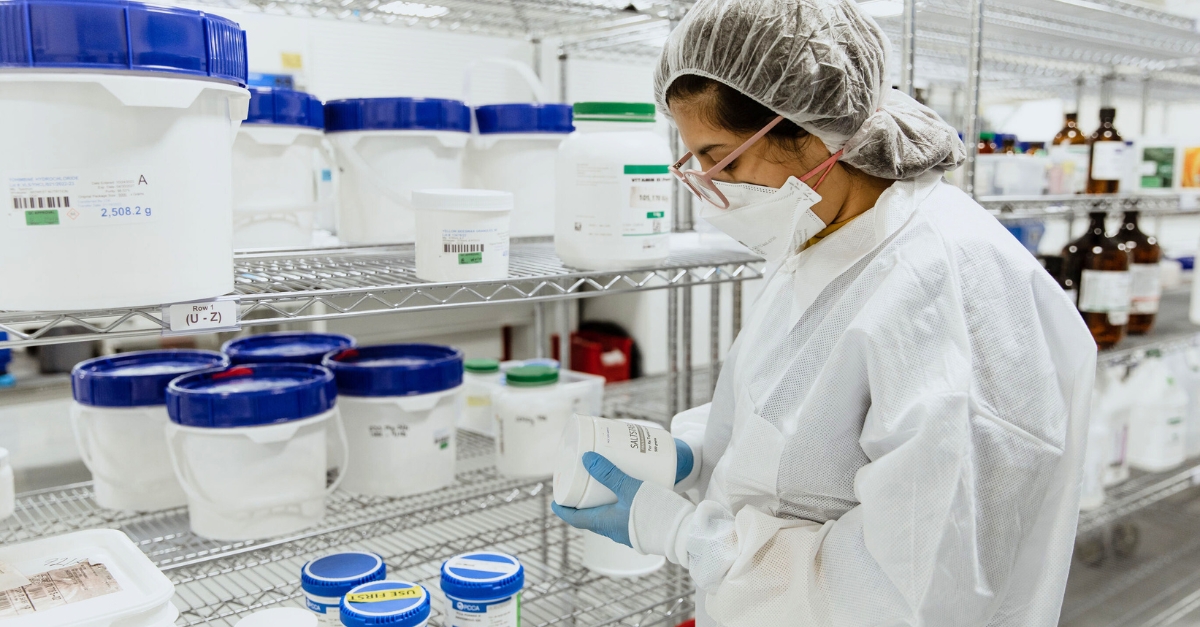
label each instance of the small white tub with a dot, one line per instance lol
(482, 588)
(390, 603)
(120, 415)
(531, 413)
(386, 148)
(462, 234)
(400, 404)
(248, 446)
(481, 379)
(642, 450)
(121, 192)
(515, 151)
(327, 579)
(276, 167)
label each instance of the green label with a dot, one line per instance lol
(41, 218)
(655, 214)
(647, 169)
(469, 258)
(1158, 167)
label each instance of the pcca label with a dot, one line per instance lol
(82, 198)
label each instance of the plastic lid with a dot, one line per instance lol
(136, 379)
(482, 576)
(570, 477)
(5, 353)
(481, 366)
(524, 118)
(280, 617)
(404, 604)
(614, 112)
(335, 575)
(397, 114)
(107, 35)
(250, 395)
(531, 376)
(462, 200)
(285, 106)
(285, 347)
(543, 361)
(396, 369)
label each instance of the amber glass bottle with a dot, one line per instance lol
(1097, 267)
(1070, 134)
(1008, 145)
(1105, 156)
(1069, 158)
(987, 143)
(1145, 284)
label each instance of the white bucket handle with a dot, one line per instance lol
(523, 69)
(83, 439)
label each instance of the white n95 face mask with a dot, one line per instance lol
(771, 222)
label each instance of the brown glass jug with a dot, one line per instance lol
(1145, 289)
(1096, 267)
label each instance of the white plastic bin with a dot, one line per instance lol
(120, 416)
(275, 170)
(400, 404)
(462, 234)
(531, 412)
(386, 148)
(481, 379)
(515, 151)
(613, 189)
(248, 445)
(292, 347)
(120, 194)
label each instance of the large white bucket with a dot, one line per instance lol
(531, 412)
(386, 148)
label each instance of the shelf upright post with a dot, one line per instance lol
(1106, 89)
(908, 51)
(562, 75)
(536, 42)
(974, 78)
(736, 321)
(681, 221)
(687, 339)
(714, 336)
(539, 329)
(1080, 83)
(673, 351)
(1145, 104)
(564, 334)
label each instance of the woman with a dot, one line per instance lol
(897, 433)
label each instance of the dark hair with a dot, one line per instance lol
(727, 108)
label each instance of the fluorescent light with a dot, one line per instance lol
(414, 9)
(882, 8)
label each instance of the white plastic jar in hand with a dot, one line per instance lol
(400, 404)
(248, 446)
(531, 412)
(641, 450)
(386, 148)
(387, 603)
(120, 416)
(515, 151)
(613, 188)
(276, 160)
(481, 379)
(291, 347)
(462, 234)
(120, 194)
(482, 589)
(327, 579)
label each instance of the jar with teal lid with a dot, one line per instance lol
(532, 410)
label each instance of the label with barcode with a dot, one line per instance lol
(82, 198)
(462, 248)
(484, 244)
(61, 586)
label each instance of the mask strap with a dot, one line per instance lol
(826, 165)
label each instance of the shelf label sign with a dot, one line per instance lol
(201, 317)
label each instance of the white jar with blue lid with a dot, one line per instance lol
(483, 589)
(327, 579)
(303, 347)
(248, 444)
(400, 404)
(515, 151)
(121, 192)
(386, 148)
(276, 164)
(119, 415)
(390, 603)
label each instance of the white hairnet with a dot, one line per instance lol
(821, 64)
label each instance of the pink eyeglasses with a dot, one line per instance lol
(701, 183)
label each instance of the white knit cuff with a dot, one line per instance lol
(658, 521)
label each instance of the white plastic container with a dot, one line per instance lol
(642, 450)
(8, 489)
(585, 390)
(121, 192)
(515, 151)
(280, 617)
(617, 561)
(120, 417)
(400, 404)
(275, 170)
(248, 444)
(481, 379)
(462, 234)
(1012, 175)
(386, 148)
(1157, 426)
(613, 189)
(482, 589)
(143, 598)
(327, 579)
(531, 413)
(390, 603)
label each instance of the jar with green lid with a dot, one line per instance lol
(532, 410)
(481, 378)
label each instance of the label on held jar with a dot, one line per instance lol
(1108, 161)
(82, 198)
(1145, 288)
(1105, 291)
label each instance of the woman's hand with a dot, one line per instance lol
(610, 521)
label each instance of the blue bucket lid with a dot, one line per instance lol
(482, 576)
(5, 353)
(524, 118)
(285, 107)
(397, 114)
(285, 347)
(106, 35)
(335, 575)
(250, 395)
(396, 369)
(136, 379)
(407, 611)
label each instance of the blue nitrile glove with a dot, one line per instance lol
(610, 521)
(684, 460)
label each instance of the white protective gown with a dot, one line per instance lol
(897, 435)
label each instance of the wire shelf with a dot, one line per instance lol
(1008, 208)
